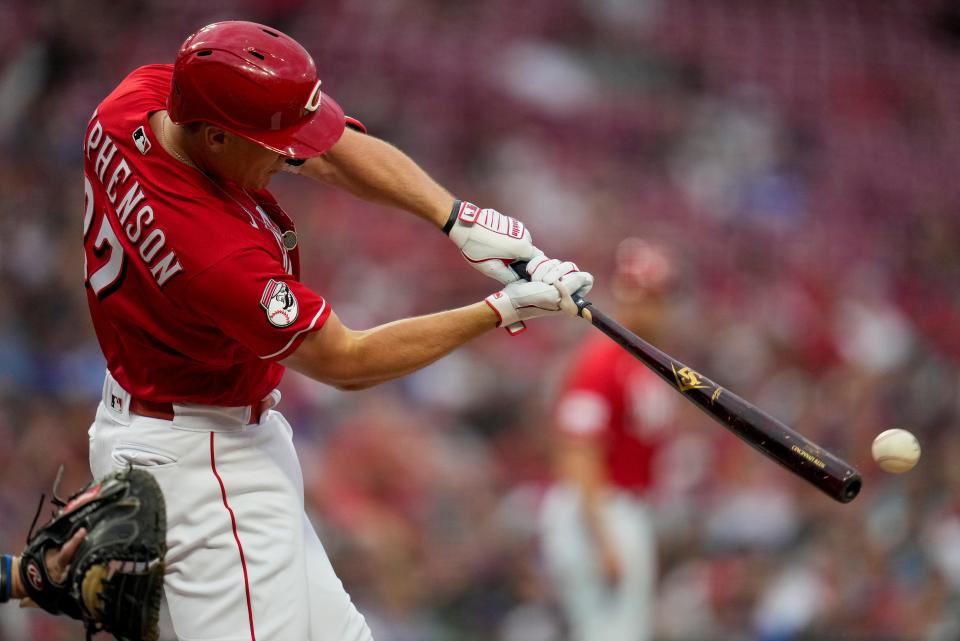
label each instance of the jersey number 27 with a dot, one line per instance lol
(108, 276)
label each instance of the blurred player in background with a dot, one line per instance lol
(610, 422)
(192, 276)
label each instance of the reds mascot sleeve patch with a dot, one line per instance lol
(279, 303)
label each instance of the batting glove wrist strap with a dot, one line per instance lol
(506, 314)
(454, 212)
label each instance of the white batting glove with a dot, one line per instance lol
(489, 241)
(552, 272)
(522, 301)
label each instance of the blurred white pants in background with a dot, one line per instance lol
(597, 611)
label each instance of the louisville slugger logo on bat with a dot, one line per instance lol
(687, 379)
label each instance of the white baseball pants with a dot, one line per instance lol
(244, 562)
(595, 610)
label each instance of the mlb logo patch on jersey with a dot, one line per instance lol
(140, 140)
(279, 303)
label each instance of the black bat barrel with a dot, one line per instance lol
(832, 475)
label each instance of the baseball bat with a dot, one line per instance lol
(793, 451)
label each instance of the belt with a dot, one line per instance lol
(164, 411)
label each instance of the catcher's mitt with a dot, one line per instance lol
(115, 579)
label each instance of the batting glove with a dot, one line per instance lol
(554, 272)
(522, 301)
(489, 241)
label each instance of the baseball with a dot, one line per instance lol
(896, 450)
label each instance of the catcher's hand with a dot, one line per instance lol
(115, 578)
(58, 562)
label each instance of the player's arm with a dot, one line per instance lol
(580, 461)
(583, 419)
(352, 360)
(375, 170)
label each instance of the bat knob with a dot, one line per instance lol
(582, 305)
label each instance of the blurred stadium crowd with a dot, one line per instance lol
(799, 156)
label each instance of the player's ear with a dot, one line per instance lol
(214, 138)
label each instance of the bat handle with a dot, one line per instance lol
(519, 267)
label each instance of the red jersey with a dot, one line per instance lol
(611, 397)
(193, 295)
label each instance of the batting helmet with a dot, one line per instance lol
(255, 82)
(642, 269)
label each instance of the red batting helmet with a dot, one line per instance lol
(255, 82)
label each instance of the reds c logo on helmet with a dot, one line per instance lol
(255, 82)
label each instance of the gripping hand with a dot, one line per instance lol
(489, 241)
(522, 301)
(552, 272)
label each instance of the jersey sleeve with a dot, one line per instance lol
(586, 403)
(253, 300)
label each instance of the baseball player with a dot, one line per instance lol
(597, 534)
(192, 276)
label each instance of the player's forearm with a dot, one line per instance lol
(395, 349)
(593, 517)
(11, 587)
(401, 347)
(379, 172)
(17, 591)
(581, 465)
